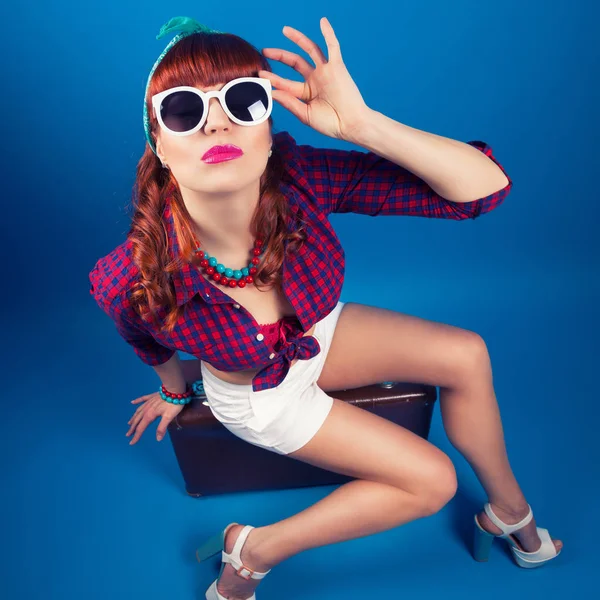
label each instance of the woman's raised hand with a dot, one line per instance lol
(327, 100)
(153, 406)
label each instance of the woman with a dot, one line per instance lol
(215, 181)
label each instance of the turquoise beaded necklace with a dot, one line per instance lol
(222, 275)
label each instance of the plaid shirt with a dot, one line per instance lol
(317, 182)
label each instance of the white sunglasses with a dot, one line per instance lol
(183, 110)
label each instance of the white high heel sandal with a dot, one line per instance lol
(483, 539)
(216, 544)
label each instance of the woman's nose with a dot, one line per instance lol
(216, 117)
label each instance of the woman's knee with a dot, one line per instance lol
(472, 356)
(440, 486)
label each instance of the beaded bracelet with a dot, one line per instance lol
(196, 389)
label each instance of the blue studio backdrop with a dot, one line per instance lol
(88, 516)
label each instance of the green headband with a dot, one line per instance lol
(186, 26)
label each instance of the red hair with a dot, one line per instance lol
(200, 60)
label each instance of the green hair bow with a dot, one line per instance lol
(185, 26)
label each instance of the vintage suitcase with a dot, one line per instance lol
(214, 461)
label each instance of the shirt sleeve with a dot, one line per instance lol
(127, 322)
(366, 183)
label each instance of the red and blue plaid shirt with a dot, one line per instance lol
(317, 182)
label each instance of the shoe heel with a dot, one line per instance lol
(212, 545)
(482, 542)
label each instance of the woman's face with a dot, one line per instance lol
(183, 154)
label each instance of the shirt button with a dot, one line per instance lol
(272, 355)
(236, 306)
(260, 336)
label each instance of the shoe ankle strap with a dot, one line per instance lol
(235, 557)
(505, 527)
(240, 541)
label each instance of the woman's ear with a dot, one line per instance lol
(159, 148)
(159, 153)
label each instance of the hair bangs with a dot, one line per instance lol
(205, 60)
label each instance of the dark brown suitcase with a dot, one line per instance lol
(215, 461)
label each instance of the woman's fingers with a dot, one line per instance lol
(333, 46)
(139, 415)
(140, 399)
(134, 422)
(137, 412)
(310, 47)
(295, 106)
(161, 430)
(147, 413)
(296, 88)
(144, 422)
(289, 58)
(142, 407)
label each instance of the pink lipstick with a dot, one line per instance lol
(222, 153)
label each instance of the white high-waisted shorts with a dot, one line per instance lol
(280, 419)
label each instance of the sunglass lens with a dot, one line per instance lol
(181, 111)
(247, 101)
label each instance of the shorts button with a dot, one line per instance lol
(236, 306)
(260, 336)
(272, 355)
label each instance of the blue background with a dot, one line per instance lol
(87, 516)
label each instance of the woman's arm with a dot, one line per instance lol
(173, 375)
(191, 370)
(453, 169)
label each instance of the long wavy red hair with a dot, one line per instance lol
(201, 60)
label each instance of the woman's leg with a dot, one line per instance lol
(471, 418)
(401, 477)
(372, 345)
